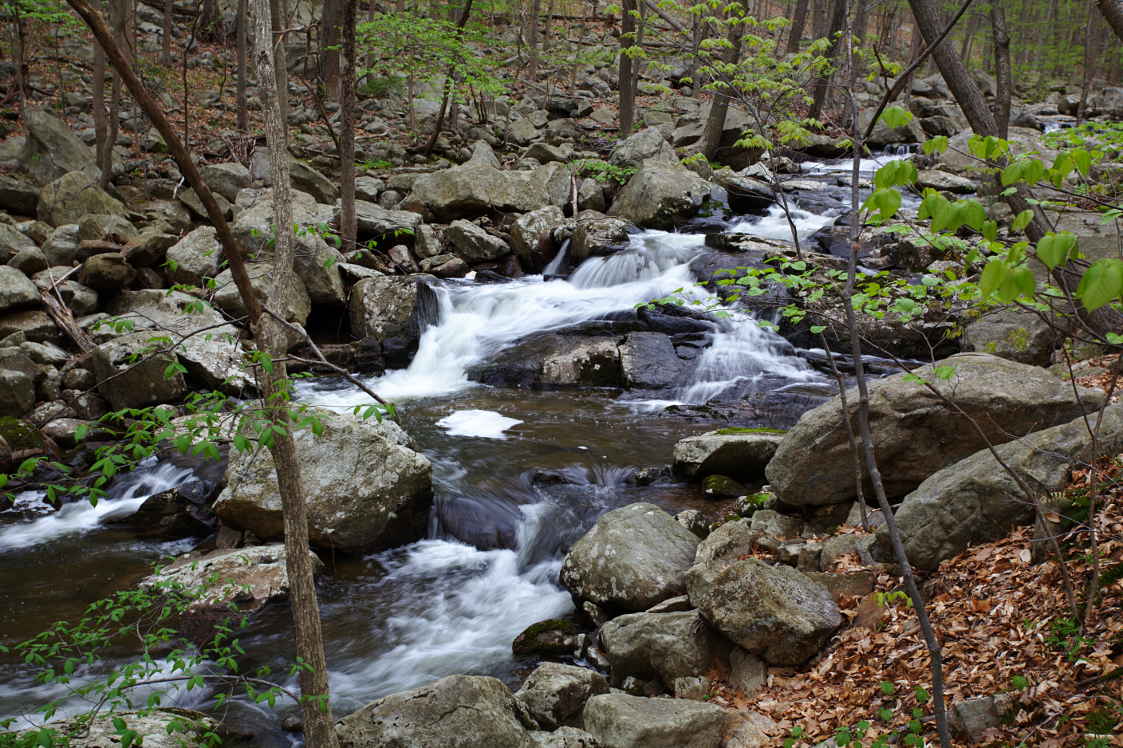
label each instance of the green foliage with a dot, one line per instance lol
(602, 171)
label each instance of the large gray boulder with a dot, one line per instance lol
(394, 309)
(199, 337)
(195, 257)
(660, 196)
(738, 453)
(18, 196)
(595, 234)
(474, 244)
(477, 188)
(1014, 333)
(775, 612)
(130, 373)
(227, 179)
(632, 558)
(75, 195)
(12, 242)
(914, 433)
(646, 144)
(555, 694)
(621, 721)
(249, 578)
(16, 290)
(51, 149)
(648, 361)
(372, 221)
(554, 360)
(160, 728)
(661, 646)
(977, 500)
(531, 231)
(365, 486)
(460, 711)
(228, 298)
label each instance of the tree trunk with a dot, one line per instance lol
(1002, 75)
(1092, 42)
(820, 12)
(822, 85)
(1112, 11)
(347, 226)
(102, 149)
(532, 38)
(329, 49)
(166, 49)
(625, 78)
(319, 732)
(861, 25)
(118, 15)
(719, 104)
(460, 24)
(243, 44)
(280, 59)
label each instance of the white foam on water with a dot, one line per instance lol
(487, 424)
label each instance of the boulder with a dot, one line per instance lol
(1014, 333)
(393, 310)
(659, 646)
(531, 235)
(160, 728)
(648, 361)
(51, 149)
(16, 290)
(460, 711)
(555, 694)
(195, 257)
(375, 222)
(366, 487)
(18, 196)
(12, 242)
(106, 272)
(735, 452)
(208, 348)
(477, 188)
(553, 360)
(946, 182)
(729, 541)
(564, 737)
(914, 433)
(227, 297)
(976, 500)
(247, 578)
(308, 179)
(775, 612)
(107, 227)
(554, 637)
(227, 179)
(618, 720)
(632, 558)
(474, 244)
(646, 144)
(597, 235)
(61, 247)
(131, 375)
(884, 135)
(74, 195)
(660, 196)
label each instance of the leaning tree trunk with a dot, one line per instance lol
(1002, 75)
(347, 221)
(625, 77)
(319, 732)
(1112, 11)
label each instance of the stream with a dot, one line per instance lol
(518, 476)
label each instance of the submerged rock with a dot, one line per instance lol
(366, 488)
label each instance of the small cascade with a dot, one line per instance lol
(553, 270)
(82, 516)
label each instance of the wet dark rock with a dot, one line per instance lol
(555, 637)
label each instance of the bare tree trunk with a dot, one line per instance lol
(861, 25)
(118, 15)
(243, 44)
(719, 104)
(280, 59)
(625, 77)
(799, 22)
(1112, 11)
(532, 38)
(1002, 75)
(166, 49)
(1092, 43)
(319, 732)
(820, 18)
(102, 149)
(822, 85)
(329, 49)
(347, 222)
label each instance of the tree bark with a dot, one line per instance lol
(102, 150)
(319, 732)
(1092, 42)
(1002, 74)
(532, 38)
(243, 44)
(799, 22)
(277, 17)
(822, 85)
(166, 49)
(719, 104)
(1112, 11)
(329, 49)
(625, 77)
(347, 221)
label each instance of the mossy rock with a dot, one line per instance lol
(722, 487)
(550, 638)
(20, 435)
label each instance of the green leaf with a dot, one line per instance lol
(938, 144)
(1022, 220)
(1054, 249)
(1101, 284)
(895, 116)
(994, 275)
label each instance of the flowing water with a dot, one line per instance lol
(518, 476)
